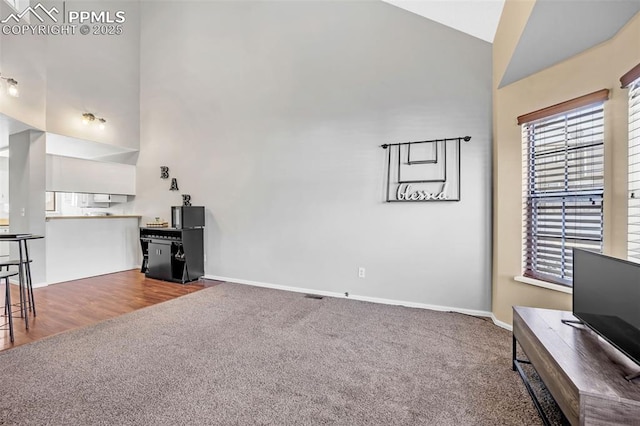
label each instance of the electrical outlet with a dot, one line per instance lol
(361, 272)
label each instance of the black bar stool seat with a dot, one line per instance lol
(27, 301)
(4, 275)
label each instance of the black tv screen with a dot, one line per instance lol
(606, 297)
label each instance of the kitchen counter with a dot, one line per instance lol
(80, 248)
(94, 217)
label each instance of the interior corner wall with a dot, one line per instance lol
(271, 115)
(513, 20)
(592, 70)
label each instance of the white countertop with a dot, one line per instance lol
(94, 217)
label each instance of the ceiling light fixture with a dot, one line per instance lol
(12, 86)
(88, 117)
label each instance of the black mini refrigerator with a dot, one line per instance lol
(184, 217)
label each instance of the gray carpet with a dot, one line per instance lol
(240, 355)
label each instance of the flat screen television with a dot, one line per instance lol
(606, 298)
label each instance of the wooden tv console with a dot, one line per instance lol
(583, 373)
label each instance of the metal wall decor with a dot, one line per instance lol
(164, 174)
(174, 185)
(424, 170)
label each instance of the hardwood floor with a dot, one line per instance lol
(73, 304)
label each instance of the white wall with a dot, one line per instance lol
(62, 76)
(23, 59)
(271, 114)
(97, 74)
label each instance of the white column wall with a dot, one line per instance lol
(27, 159)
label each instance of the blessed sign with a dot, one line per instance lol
(405, 192)
(424, 170)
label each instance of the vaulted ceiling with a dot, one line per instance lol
(559, 29)
(556, 29)
(476, 17)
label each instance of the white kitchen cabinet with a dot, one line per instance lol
(109, 198)
(65, 174)
(99, 200)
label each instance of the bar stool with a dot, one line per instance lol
(27, 301)
(7, 300)
(24, 272)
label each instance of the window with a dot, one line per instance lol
(50, 201)
(563, 189)
(633, 230)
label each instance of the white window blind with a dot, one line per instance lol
(633, 240)
(563, 190)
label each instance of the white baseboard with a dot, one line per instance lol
(276, 286)
(473, 312)
(502, 324)
(35, 285)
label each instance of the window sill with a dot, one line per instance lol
(544, 284)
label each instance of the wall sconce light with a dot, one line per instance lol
(12, 86)
(88, 117)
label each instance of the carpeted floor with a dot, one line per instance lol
(241, 355)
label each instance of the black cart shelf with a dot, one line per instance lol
(172, 254)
